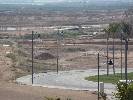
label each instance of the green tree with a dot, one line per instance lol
(112, 30)
(115, 28)
(126, 29)
(124, 91)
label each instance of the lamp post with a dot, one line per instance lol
(121, 57)
(57, 51)
(126, 48)
(109, 62)
(32, 76)
(98, 67)
(107, 54)
(59, 38)
(113, 55)
(98, 74)
(32, 56)
(98, 71)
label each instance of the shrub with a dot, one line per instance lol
(124, 91)
(74, 49)
(12, 56)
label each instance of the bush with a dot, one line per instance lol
(12, 56)
(74, 49)
(124, 91)
(22, 53)
(72, 34)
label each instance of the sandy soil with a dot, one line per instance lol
(11, 91)
(16, 92)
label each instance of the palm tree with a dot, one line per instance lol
(126, 29)
(107, 36)
(113, 30)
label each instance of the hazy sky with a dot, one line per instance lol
(78, 0)
(18, 1)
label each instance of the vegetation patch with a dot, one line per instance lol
(44, 56)
(12, 56)
(74, 49)
(22, 53)
(124, 91)
(70, 34)
(109, 79)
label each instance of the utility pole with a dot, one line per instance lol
(126, 49)
(107, 54)
(32, 56)
(57, 52)
(113, 55)
(98, 75)
(121, 57)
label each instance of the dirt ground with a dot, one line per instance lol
(84, 57)
(16, 92)
(9, 90)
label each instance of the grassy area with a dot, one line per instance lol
(109, 79)
(72, 33)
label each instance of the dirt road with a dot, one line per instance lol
(10, 91)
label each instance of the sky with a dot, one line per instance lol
(50, 1)
(76, 0)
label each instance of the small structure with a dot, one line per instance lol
(101, 87)
(110, 62)
(124, 81)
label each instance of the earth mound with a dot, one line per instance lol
(44, 56)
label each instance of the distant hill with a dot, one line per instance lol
(15, 1)
(66, 5)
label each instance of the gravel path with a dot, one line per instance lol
(73, 80)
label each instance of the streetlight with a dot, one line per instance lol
(57, 51)
(59, 37)
(107, 54)
(33, 56)
(109, 62)
(98, 66)
(113, 54)
(126, 49)
(121, 57)
(98, 73)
